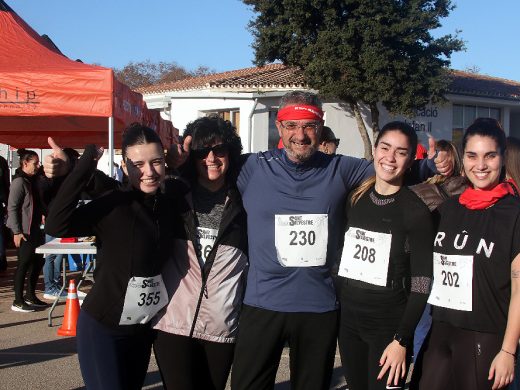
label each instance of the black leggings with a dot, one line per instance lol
(369, 320)
(455, 359)
(110, 358)
(191, 364)
(28, 262)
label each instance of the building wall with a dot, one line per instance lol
(259, 132)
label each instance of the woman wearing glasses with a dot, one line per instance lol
(206, 280)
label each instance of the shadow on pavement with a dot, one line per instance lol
(153, 381)
(36, 353)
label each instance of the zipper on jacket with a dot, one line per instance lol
(211, 258)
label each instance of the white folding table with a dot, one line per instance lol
(67, 248)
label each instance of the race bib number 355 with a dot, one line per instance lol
(301, 240)
(452, 282)
(366, 255)
(144, 297)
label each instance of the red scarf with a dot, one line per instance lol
(482, 199)
(299, 112)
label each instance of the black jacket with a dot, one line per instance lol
(133, 237)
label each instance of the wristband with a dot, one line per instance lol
(509, 353)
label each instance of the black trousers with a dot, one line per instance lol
(455, 359)
(111, 359)
(262, 336)
(191, 364)
(28, 263)
(369, 320)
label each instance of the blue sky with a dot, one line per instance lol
(214, 32)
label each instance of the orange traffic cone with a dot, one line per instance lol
(68, 328)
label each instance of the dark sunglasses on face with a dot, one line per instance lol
(335, 140)
(219, 150)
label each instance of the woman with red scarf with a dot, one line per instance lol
(476, 290)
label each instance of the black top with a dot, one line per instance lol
(408, 220)
(494, 231)
(133, 235)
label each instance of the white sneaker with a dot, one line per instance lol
(55, 295)
(81, 294)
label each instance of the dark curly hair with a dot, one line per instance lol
(209, 130)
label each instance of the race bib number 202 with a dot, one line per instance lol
(301, 240)
(452, 282)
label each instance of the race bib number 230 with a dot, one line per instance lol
(301, 240)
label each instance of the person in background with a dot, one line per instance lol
(4, 196)
(133, 229)
(53, 262)
(513, 163)
(386, 267)
(475, 296)
(421, 152)
(24, 219)
(433, 192)
(513, 177)
(206, 277)
(328, 141)
(119, 173)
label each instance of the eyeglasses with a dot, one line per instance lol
(219, 150)
(307, 127)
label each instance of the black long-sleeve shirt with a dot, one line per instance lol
(408, 220)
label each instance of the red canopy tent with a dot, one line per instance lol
(43, 93)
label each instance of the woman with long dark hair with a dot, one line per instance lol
(476, 291)
(386, 267)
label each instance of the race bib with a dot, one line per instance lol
(206, 238)
(366, 256)
(452, 282)
(143, 299)
(301, 240)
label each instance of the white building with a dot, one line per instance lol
(249, 99)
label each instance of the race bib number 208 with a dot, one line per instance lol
(301, 240)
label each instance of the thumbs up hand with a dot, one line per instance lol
(57, 163)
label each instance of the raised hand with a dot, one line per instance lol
(178, 154)
(57, 163)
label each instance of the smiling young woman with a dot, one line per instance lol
(385, 269)
(133, 228)
(476, 291)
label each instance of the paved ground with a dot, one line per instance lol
(32, 356)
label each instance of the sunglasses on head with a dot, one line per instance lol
(219, 150)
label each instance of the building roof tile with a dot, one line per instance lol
(279, 76)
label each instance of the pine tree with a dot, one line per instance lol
(360, 51)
